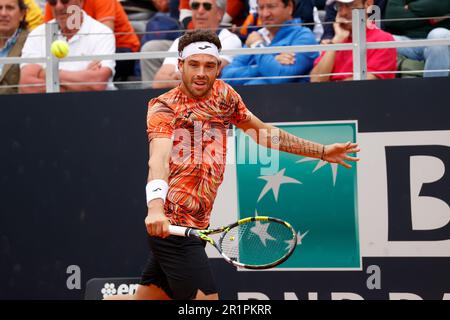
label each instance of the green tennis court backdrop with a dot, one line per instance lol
(319, 199)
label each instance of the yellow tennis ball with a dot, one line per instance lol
(231, 238)
(60, 49)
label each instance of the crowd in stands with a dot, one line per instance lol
(202, 18)
(104, 27)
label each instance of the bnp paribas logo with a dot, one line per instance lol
(318, 198)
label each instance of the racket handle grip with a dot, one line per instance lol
(178, 231)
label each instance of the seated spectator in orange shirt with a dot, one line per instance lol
(378, 60)
(112, 14)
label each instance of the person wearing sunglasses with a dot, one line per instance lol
(206, 15)
(85, 36)
(235, 13)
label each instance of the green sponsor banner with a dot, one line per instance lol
(319, 199)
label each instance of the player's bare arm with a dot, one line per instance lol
(275, 138)
(156, 222)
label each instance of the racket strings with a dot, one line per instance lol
(231, 241)
(258, 243)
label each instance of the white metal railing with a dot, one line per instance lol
(359, 46)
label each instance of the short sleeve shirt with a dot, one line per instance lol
(198, 128)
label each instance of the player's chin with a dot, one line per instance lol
(200, 89)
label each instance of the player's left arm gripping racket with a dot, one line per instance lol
(253, 243)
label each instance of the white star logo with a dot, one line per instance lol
(260, 230)
(299, 239)
(301, 236)
(320, 164)
(274, 182)
(264, 236)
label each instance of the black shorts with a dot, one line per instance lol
(179, 266)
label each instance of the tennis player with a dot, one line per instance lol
(187, 132)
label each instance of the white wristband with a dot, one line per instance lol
(156, 189)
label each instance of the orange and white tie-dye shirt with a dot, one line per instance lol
(198, 128)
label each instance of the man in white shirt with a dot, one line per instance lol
(85, 36)
(206, 14)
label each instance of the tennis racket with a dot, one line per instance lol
(253, 243)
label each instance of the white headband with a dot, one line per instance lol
(202, 47)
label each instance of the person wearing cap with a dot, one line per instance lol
(338, 65)
(182, 184)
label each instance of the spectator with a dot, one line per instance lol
(206, 14)
(330, 16)
(277, 13)
(235, 13)
(112, 14)
(34, 15)
(342, 61)
(435, 57)
(94, 39)
(157, 39)
(13, 33)
(303, 9)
